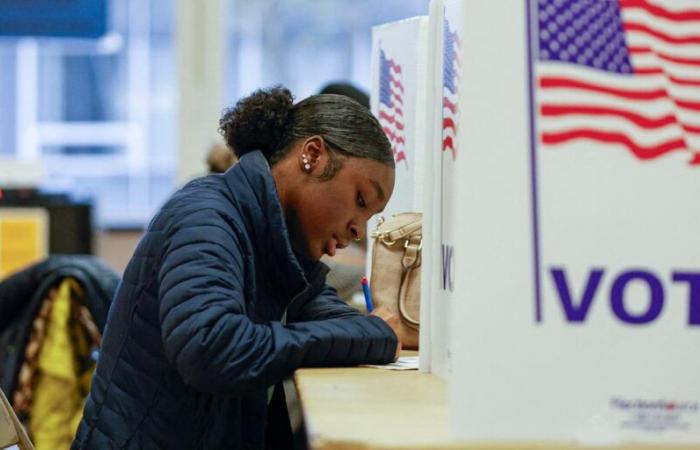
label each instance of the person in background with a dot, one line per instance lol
(348, 90)
(225, 294)
(220, 158)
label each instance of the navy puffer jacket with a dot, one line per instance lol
(194, 336)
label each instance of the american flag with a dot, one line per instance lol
(620, 75)
(391, 105)
(450, 83)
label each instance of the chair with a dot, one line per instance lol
(11, 431)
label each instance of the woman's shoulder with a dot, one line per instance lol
(203, 200)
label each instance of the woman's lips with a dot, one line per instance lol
(334, 244)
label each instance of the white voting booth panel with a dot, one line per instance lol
(399, 68)
(571, 210)
(441, 206)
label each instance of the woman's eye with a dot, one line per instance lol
(361, 201)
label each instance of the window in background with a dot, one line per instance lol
(304, 44)
(8, 79)
(99, 113)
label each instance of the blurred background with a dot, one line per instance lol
(109, 105)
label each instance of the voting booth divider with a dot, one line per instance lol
(555, 154)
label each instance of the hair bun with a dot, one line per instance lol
(258, 122)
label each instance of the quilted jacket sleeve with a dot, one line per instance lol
(326, 305)
(213, 344)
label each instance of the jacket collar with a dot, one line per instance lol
(252, 185)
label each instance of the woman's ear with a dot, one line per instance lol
(313, 154)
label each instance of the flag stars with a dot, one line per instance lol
(586, 32)
(598, 42)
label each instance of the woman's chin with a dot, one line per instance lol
(311, 253)
(317, 255)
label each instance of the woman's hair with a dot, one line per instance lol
(269, 121)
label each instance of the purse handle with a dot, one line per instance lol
(411, 257)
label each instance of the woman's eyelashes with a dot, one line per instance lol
(361, 201)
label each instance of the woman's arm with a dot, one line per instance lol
(217, 348)
(326, 305)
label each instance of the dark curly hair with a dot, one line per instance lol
(269, 121)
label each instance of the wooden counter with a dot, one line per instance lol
(372, 408)
(365, 408)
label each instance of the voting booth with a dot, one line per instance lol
(400, 69)
(411, 86)
(577, 277)
(562, 165)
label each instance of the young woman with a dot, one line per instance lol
(225, 294)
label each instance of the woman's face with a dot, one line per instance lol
(324, 216)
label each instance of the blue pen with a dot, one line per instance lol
(368, 296)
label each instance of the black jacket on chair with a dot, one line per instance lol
(22, 293)
(195, 337)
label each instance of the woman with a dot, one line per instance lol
(225, 296)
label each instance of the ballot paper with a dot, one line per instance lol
(404, 363)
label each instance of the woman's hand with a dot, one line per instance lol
(393, 321)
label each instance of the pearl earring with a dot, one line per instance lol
(307, 167)
(305, 160)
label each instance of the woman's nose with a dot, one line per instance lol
(357, 232)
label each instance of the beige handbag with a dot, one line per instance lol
(396, 260)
